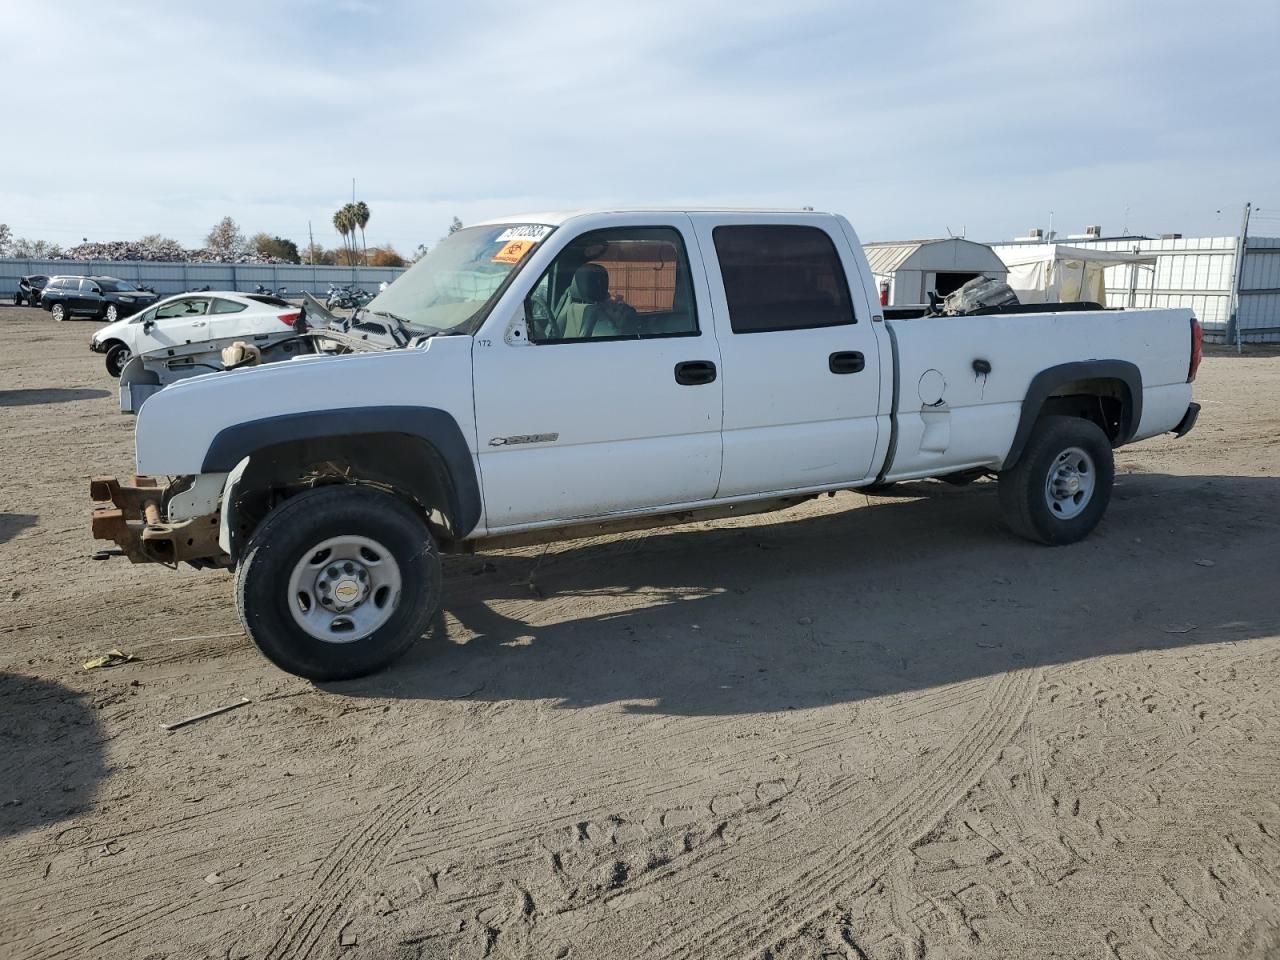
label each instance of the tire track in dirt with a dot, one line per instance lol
(910, 812)
(466, 834)
(348, 866)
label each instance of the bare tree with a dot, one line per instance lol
(6, 237)
(455, 226)
(225, 239)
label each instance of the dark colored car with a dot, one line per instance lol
(103, 298)
(29, 289)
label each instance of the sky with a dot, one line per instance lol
(913, 119)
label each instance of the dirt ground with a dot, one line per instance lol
(865, 728)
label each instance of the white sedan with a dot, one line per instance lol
(191, 318)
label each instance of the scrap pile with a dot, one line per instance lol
(166, 250)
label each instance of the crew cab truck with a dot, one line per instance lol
(570, 374)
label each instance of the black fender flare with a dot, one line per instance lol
(437, 427)
(1044, 383)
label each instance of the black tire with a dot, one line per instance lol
(117, 357)
(110, 313)
(59, 312)
(293, 530)
(17, 299)
(1024, 488)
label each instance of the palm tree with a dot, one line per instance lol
(361, 211)
(344, 223)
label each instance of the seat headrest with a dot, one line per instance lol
(590, 284)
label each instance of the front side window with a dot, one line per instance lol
(181, 309)
(620, 283)
(782, 277)
(453, 287)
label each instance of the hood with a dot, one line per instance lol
(177, 425)
(114, 331)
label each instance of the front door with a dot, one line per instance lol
(802, 381)
(88, 298)
(177, 323)
(612, 401)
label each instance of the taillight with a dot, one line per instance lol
(1197, 349)
(289, 319)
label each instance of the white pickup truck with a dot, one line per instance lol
(576, 373)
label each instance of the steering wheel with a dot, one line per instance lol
(544, 326)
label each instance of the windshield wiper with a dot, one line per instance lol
(387, 313)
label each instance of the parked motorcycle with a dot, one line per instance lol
(346, 297)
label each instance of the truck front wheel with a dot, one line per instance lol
(1060, 487)
(338, 582)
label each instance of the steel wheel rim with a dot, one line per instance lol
(122, 358)
(1069, 485)
(343, 589)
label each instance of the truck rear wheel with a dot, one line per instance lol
(1060, 487)
(338, 582)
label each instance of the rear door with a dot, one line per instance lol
(612, 401)
(801, 378)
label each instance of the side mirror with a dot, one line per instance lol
(147, 325)
(96, 289)
(538, 319)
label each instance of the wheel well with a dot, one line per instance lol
(406, 465)
(109, 345)
(1104, 401)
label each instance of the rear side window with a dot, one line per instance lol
(782, 277)
(226, 306)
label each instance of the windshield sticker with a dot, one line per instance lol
(513, 251)
(527, 231)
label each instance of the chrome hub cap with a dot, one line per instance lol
(344, 589)
(1070, 483)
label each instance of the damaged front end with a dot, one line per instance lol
(135, 516)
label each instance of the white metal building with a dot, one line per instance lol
(906, 271)
(1200, 273)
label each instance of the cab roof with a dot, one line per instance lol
(554, 218)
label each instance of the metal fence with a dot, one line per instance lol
(168, 278)
(1200, 272)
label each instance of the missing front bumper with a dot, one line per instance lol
(132, 516)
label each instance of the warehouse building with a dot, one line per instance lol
(1196, 272)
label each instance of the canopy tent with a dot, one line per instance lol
(1060, 273)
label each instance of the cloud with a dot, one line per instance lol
(907, 118)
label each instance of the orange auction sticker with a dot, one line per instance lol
(513, 251)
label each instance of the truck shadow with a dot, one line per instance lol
(12, 524)
(847, 604)
(50, 752)
(43, 395)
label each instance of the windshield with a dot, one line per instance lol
(455, 282)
